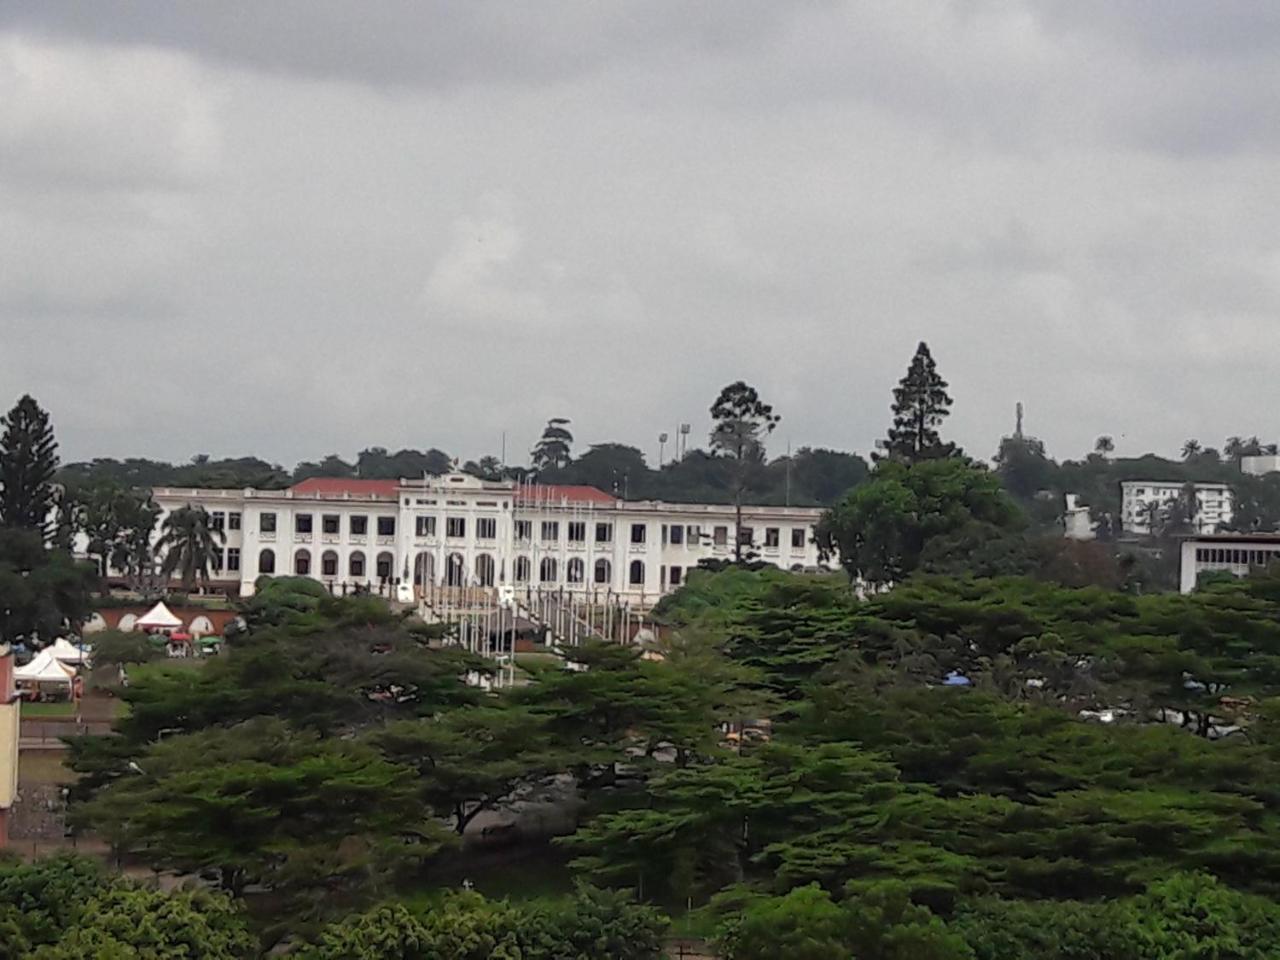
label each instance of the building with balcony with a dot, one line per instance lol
(457, 530)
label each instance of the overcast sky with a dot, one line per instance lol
(307, 226)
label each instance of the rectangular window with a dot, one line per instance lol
(637, 533)
(692, 535)
(424, 526)
(487, 528)
(604, 533)
(302, 523)
(329, 565)
(524, 530)
(386, 526)
(771, 536)
(550, 531)
(577, 532)
(215, 561)
(233, 521)
(233, 559)
(217, 520)
(359, 525)
(675, 576)
(267, 522)
(329, 523)
(747, 535)
(677, 537)
(720, 537)
(797, 538)
(455, 528)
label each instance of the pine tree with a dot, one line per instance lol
(28, 460)
(920, 403)
(553, 449)
(742, 420)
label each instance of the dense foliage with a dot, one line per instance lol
(66, 908)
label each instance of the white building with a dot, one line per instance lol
(1259, 465)
(460, 531)
(1236, 553)
(1214, 504)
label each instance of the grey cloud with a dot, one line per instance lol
(444, 44)
(310, 231)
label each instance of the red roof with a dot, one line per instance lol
(337, 486)
(574, 493)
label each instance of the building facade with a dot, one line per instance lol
(1140, 498)
(1236, 553)
(457, 530)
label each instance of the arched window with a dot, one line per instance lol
(637, 573)
(604, 571)
(267, 561)
(355, 565)
(302, 563)
(547, 570)
(485, 571)
(521, 570)
(385, 562)
(424, 569)
(329, 564)
(575, 571)
(455, 570)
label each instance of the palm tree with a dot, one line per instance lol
(1190, 449)
(1233, 449)
(189, 544)
(1104, 445)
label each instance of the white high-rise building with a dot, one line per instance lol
(458, 530)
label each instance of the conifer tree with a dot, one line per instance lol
(920, 403)
(742, 420)
(553, 448)
(28, 460)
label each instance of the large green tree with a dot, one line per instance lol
(189, 543)
(28, 462)
(262, 803)
(42, 592)
(880, 530)
(740, 422)
(920, 404)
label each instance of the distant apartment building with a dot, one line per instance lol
(1140, 498)
(460, 531)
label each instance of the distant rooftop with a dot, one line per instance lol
(337, 486)
(555, 493)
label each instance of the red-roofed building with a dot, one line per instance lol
(556, 493)
(345, 486)
(399, 536)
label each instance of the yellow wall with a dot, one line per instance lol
(8, 753)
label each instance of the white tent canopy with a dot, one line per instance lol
(159, 617)
(67, 652)
(43, 668)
